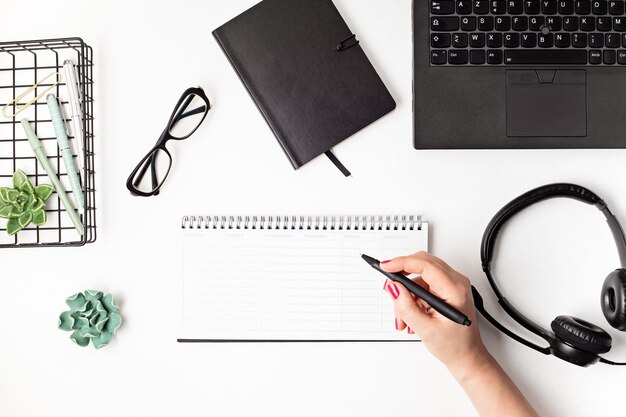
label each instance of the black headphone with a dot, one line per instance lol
(571, 339)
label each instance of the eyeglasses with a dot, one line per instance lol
(187, 117)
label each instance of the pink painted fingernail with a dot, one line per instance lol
(408, 329)
(393, 290)
(386, 262)
(385, 284)
(395, 321)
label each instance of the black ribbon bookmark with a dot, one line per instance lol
(329, 153)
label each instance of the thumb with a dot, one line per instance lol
(406, 309)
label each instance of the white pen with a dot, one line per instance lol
(76, 112)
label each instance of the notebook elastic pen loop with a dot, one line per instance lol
(347, 43)
(337, 162)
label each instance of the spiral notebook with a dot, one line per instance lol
(291, 278)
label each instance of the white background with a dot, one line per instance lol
(552, 258)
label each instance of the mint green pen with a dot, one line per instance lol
(35, 143)
(66, 153)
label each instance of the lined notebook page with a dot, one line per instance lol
(262, 284)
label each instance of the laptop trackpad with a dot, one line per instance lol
(546, 102)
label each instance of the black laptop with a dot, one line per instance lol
(519, 74)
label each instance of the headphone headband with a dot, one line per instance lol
(529, 198)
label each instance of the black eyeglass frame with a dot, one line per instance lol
(161, 145)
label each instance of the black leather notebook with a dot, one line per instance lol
(306, 72)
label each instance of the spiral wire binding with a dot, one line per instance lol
(410, 222)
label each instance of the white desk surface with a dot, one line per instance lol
(552, 260)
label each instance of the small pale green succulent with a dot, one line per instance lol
(24, 203)
(93, 317)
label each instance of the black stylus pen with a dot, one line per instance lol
(435, 302)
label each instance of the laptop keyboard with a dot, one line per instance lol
(527, 32)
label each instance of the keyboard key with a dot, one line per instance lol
(579, 40)
(570, 23)
(511, 40)
(494, 57)
(457, 57)
(459, 40)
(532, 6)
(485, 23)
(605, 24)
(440, 40)
(494, 40)
(621, 57)
(468, 24)
(596, 40)
(477, 40)
(477, 56)
(609, 57)
(562, 40)
(548, 6)
(554, 23)
(516, 6)
(545, 57)
(481, 6)
(624, 40)
(619, 24)
(498, 6)
(611, 40)
(521, 23)
(529, 40)
(595, 57)
(442, 6)
(464, 6)
(599, 7)
(588, 23)
(566, 6)
(444, 24)
(438, 57)
(545, 41)
(582, 6)
(535, 23)
(503, 23)
(616, 7)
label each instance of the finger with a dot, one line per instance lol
(437, 278)
(405, 307)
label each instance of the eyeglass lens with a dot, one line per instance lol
(153, 171)
(188, 116)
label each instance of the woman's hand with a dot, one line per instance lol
(459, 347)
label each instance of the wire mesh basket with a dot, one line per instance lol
(39, 64)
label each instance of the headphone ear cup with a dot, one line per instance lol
(581, 334)
(613, 299)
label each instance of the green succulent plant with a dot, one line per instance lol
(24, 203)
(92, 317)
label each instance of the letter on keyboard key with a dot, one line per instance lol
(444, 24)
(619, 24)
(545, 57)
(621, 57)
(438, 57)
(548, 6)
(616, 7)
(464, 6)
(457, 57)
(566, 6)
(532, 6)
(442, 6)
(583, 6)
